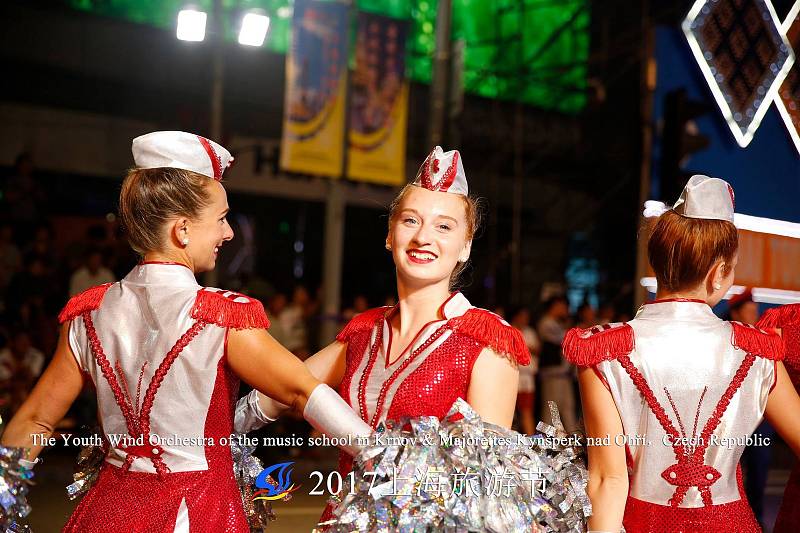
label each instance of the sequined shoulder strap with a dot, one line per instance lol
(491, 331)
(780, 317)
(589, 347)
(756, 341)
(360, 323)
(228, 309)
(88, 300)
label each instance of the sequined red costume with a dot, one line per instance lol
(683, 380)
(432, 373)
(787, 318)
(154, 344)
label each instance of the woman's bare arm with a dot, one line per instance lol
(271, 369)
(264, 364)
(783, 409)
(492, 390)
(49, 401)
(608, 472)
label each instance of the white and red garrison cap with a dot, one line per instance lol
(443, 172)
(702, 197)
(178, 149)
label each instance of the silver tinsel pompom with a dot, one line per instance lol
(15, 480)
(246, 468)
(461, 474)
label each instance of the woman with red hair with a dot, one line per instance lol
(671, 398)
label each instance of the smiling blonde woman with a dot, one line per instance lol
(418, 357)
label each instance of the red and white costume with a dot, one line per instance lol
(154, 345)
(433, 372)
(787, 318)
(683, 380)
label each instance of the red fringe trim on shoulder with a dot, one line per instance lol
(490, 330)
(589, 347)
(88, 300)
(756, 341)
(229, 310)
(361, 322)
(780, 317)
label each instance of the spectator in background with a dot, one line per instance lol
(20, 366)
(527, 374)
(585, 317)
(42, 247)
(275, 306)
(25, 197)
(742, 308)
(555, 372)
(360, 304)
(10, 257)
(91, 274)
(293, 320)
(606, 314)
(29, 291)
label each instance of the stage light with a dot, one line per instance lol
(789, 107)
(254, 29)
(717, 32)
(191, 25)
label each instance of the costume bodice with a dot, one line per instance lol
(690, 391)
(156, 356)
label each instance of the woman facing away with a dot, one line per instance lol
(166, 355)
(677, 390)
(419, 356)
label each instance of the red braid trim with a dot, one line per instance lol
(589, 347)
(108, 372)
(492, 332)
(88, 300)
(228, 309)
(363, 322)
(757, 341)
(161, 372)
(779, 317)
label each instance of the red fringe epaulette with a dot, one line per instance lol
(361, 322)
(493, 332)
(88, 300)
(757, 341)
(589, 347)
(228, 309)
(780, 317)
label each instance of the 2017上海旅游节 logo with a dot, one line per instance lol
(275, 482)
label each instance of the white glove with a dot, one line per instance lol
(329, 413)
(249, 416)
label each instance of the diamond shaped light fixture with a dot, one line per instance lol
(788, 101)
(743, 55)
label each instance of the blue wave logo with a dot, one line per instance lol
(275, 482)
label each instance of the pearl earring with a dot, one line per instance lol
(185, 241)
(388, 246)
(717, 286)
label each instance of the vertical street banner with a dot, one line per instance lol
(314, 105)
(378, 102)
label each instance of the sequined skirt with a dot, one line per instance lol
(138, 502)
(646, 517)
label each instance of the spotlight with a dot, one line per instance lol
(191, 25)
(254, 29)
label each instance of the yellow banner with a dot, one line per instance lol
(378, 102)
(313, 117)
(380, 157)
